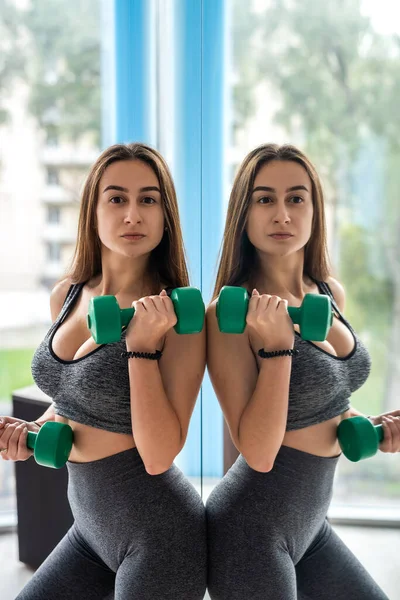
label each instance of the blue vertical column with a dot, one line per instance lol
(187, 171)
(127, 67)
(200, 174)
(213, 190)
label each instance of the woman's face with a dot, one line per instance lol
(281, 203)
(129, 212)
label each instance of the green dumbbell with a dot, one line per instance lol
(359, 438)
(315, 315)
(52, 444)
(105, 318)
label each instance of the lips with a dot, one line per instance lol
(133, 236)
(281, 236)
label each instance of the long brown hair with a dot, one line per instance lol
(238, 258)
(167, 261)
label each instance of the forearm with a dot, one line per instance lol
(155, 425)
(48, 415)
(263, 423)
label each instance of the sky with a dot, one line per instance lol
(385, 15)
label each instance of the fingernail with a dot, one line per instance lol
(25, 430)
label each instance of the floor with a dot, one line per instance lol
(378, 549)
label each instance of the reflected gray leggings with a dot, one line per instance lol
(269, 539)
(135, 536)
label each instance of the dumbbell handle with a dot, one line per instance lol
(294, 314)
(379, 432)
(31, 440)
(126, 315)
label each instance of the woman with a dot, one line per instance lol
(139, 529)
(267, 529)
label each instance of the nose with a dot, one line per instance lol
(281, 214)
(132, 214)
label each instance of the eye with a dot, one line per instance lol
(148, 200)
(294, 199)
(115, 200)
(266, 198)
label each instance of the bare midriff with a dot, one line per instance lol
(91, 443)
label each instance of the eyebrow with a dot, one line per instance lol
(273, 190)
(150, 188)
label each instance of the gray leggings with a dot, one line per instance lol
(269, 539)
(135, 536)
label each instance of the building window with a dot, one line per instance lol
(54, 252)
(53, 214)
(52, 176)
(52, 137)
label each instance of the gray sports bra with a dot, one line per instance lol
(94, 389)
(321, 384)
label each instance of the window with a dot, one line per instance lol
(52, 176)
(54, 252)
(53, 214)
(52, 137)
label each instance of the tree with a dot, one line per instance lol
(64, 68)
(11, 57)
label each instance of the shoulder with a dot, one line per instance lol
(338, 292)
(211, 316)
(57, 297)
(211, 309)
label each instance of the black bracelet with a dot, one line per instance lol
(149, 355)
(263, 354)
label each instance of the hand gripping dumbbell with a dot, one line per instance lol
(52, 444)
(359, 438)
(105, 318)
(315, 315)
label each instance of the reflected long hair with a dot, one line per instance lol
(167, 264)
(238, 258)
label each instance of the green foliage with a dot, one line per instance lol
(336, 77)
(15, 371)
(243, 24)
(11, 57)
(370, 296)
(64, 68)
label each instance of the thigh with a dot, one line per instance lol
(70, 572)
(169, 561)
(245, 558)
(161, 576)
(330, 570)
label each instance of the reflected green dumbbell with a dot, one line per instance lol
(314, 316)
(52, 444)
(359, 438)
(106, 319)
